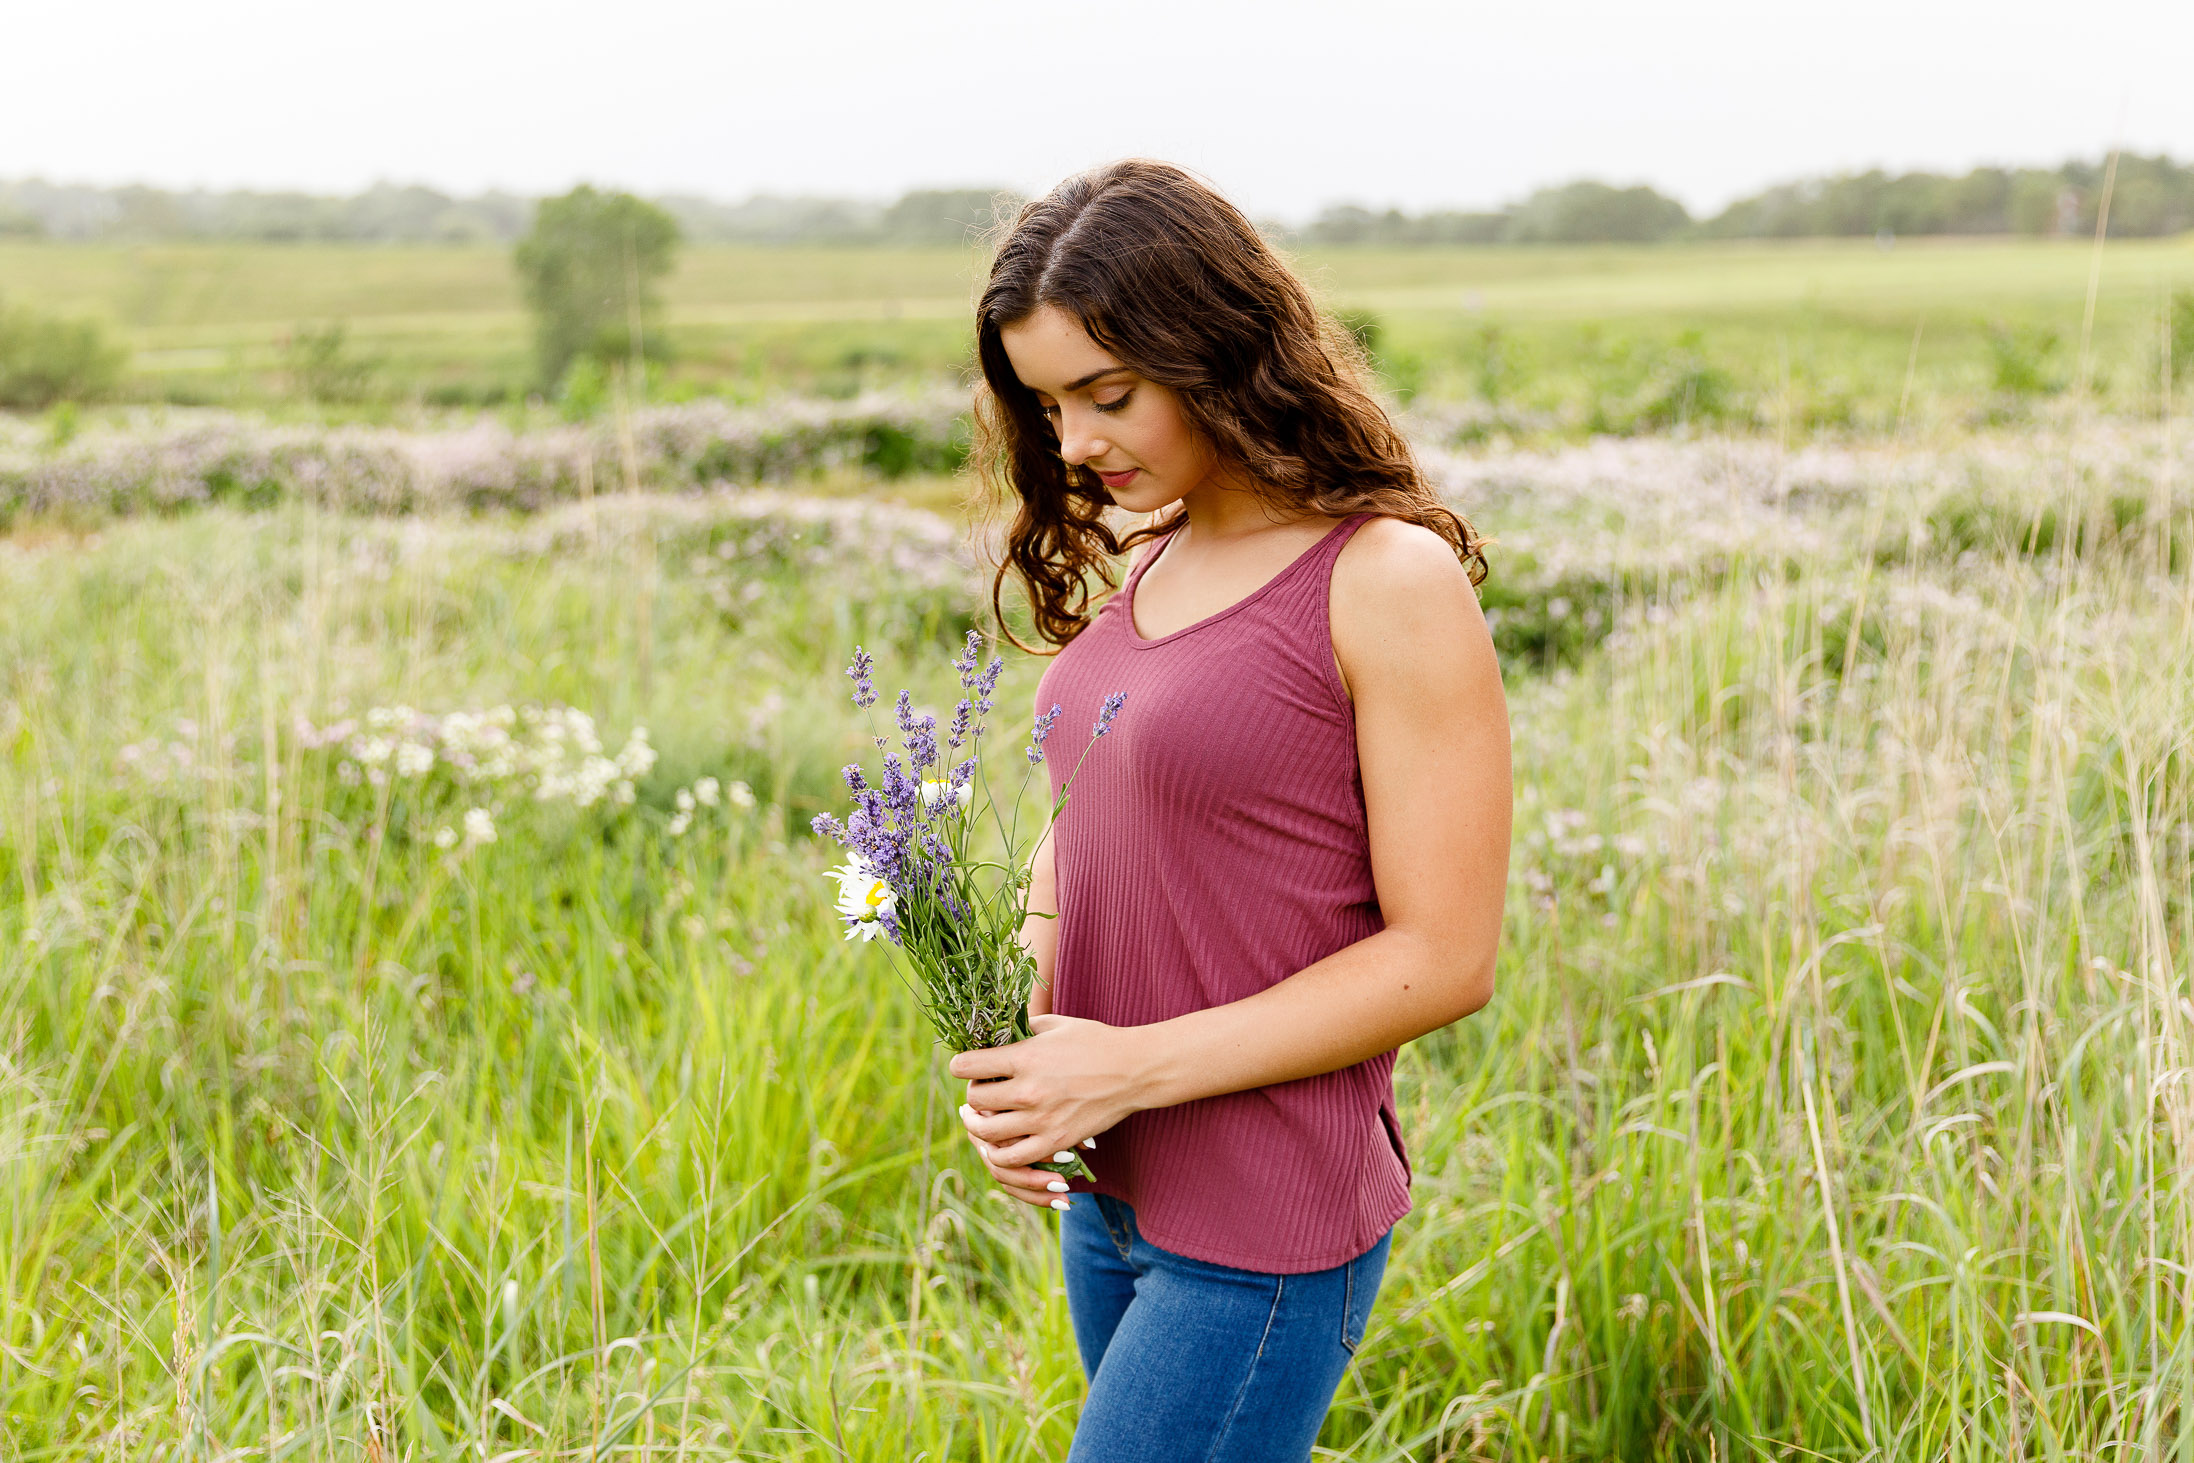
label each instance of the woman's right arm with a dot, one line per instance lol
(1040, 935)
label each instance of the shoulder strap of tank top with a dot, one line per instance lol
(1336, 540)
(1155, 547)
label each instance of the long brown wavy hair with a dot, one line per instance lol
(1171, 279)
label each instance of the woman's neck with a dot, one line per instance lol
(1219, 510)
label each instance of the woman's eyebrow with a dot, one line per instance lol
(1078, 383)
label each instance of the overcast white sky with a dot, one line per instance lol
(1286, 104)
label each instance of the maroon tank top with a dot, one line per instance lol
(1215, 844)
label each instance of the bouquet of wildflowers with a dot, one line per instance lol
(911, 876)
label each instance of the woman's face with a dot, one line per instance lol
(1128, 430)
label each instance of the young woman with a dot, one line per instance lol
(1287, 856)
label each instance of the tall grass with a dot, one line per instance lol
(1835, 1101)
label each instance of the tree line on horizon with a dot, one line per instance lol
(2149, 197)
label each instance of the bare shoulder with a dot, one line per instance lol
(1394, 568)
(1403, 606)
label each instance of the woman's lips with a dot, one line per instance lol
(1118, 480)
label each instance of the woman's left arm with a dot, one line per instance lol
(1432, 742)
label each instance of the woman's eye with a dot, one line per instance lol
(1115, 404)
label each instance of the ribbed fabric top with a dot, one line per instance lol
(1214, 844)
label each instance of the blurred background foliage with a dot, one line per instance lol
(1855, 304)
(2151, 197)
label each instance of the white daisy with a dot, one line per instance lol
(863, 899)
(936, 791)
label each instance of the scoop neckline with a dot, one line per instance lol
(1135, 638)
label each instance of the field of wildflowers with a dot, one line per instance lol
(426, 1031)
(166, 460)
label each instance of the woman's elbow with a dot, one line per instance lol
(1468, 987)
(1474, 989)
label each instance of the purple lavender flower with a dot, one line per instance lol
(962, 720)
(967, 660)
(1111, 709)
(861, 673)
(918, 734)
(1042, 730)
(986, 685)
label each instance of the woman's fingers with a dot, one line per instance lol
(998, 1129)
(995, 1127)
(1029, 1185)
(975, 1066)
(1021, 1152)
(996, 1096)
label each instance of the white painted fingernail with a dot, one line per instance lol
(1062, 1156)
(1061, 1205)
(1089, 1142)
(1057, 1186)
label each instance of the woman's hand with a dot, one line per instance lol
(1063, 1086)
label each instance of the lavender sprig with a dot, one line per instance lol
(1041, 731)
(860, 673)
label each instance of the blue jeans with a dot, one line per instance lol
(1191, 1362)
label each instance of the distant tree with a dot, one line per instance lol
(2033, 206)
(589, 267)
(944, 215)
(148, 213)
(320, 366)
(1344, 223)
(1348, 223)
(1461, 228)
(44, 360)
(2152, 196)
(1594, 213)
(1979, 203)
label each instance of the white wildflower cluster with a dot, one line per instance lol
(763, 718)
(1924, 605)
(1635, 524)
(178, 457)
(738, 548)
(479, 828)
(706, 792)
(1560, 846)
(552, 753)
(176, 760)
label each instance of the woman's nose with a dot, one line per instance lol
(1079, 440)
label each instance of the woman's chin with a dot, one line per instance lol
(1142, 496)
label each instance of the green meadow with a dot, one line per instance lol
(425, 1033)
(1833, 335)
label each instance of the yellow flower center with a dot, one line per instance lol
(878, 892)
